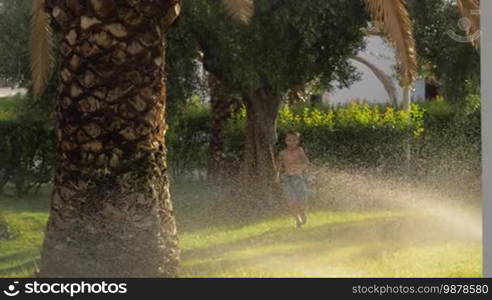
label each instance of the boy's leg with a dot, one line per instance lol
(297, 211)
(303, 214)
(302, 200)
(291, 203)
(291, 190)
(294, 210)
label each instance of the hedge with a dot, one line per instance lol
(359, 135)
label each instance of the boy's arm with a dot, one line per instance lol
(304, 159)
(279, 164)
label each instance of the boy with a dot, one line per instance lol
(293, 163)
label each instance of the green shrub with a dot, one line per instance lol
(439, 107)
(359, 135)
(6, 115)
(26, 155)
(452, 139)
(8, 107)
(356, 134)
(188, 140)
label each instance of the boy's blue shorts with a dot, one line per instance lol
(295, 187)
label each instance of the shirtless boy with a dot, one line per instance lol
(293, 164)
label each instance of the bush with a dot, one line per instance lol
(358, 134)
(26, 155)
(8, 107)
(27, 140)
(452, 138)
(441, 136)
(188, 140)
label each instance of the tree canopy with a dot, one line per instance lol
(285, 44)
(456, 65)
(182, 68)
(14, 40)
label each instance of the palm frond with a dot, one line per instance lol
(241, 10)
(40, 47)
(470, 10)
(392, 17)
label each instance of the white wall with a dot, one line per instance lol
(369, 88)
(6, 92)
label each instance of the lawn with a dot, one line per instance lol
(334, 243)
(8, 107)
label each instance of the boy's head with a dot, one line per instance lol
(292, 139)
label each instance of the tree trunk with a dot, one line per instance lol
(385, 79)
(222, 106)
(259, 159)
(407, 98)
(111, 213)
(407, 102)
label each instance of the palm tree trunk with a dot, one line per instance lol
(111, 213)
(222, 107)
(407, 98)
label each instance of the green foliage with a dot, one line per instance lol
(26, 155)
(439, 108)
(354, 116)
(286, 43)
(452, 138)
(187, 139)
(27, 145)
(15, 22)
(6, 232)
(456, 65)
(183, 77)
(441, 135)
(470, 106)
(9, 107)
(26, 108)
(14, 40)
(6, 115)
(40, 109)
(357, 134)
(446, 115)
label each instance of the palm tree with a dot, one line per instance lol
(111, 213)
(223, 106)
(392, 18)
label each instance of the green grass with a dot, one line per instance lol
(27, 217)
(333, 244)
(8, 107)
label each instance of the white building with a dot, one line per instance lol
(380, 54)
